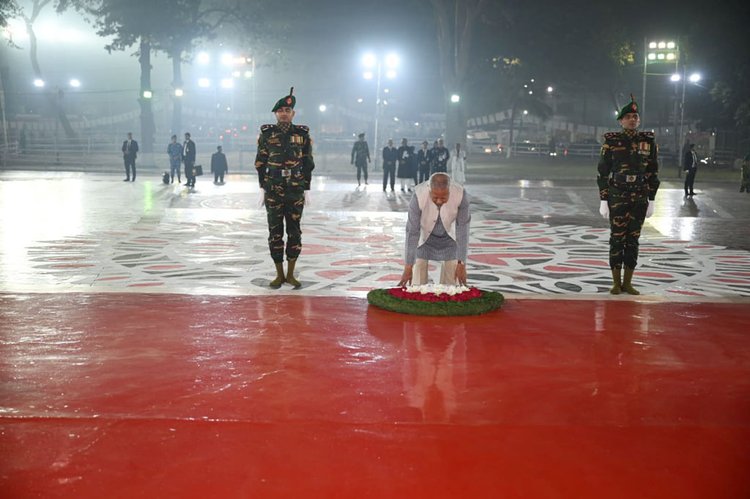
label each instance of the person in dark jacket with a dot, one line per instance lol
(690, 165)
(405, 164)
(129, 153)
(219, 165)
(440, 158)
(423, 163)
(390, 156)
(360, 157)
(188, 159)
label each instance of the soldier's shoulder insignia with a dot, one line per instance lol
(609, 136)
(649, 134)
(302, 128)
(266, 128)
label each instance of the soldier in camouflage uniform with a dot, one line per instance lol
(284, 163)
(628, 181)
(745, 178)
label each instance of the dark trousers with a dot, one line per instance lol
(690, 180)
(190, 178)
(361, 168)
(174, 169)
(284, 206)
(424, 174)
(129, 165)
(627, 211)
(219, 177)
(389, 170)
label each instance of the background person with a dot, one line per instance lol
(219, 165)
(188, 159)
(174, 151)
(690, 164)
(129, 153)
(360, 157)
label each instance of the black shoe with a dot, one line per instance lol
(126, 180)
(692, 194)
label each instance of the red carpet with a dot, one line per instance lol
(133, 395)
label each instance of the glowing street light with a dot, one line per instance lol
(369, 60)
(227, 83)
(550, 90)
(75, 83)
(147, 94)
(455, 98)
(178, 92)
(374, 67)
(203, 58)
(39, 83)
(227, 59)
(675, 77)
(322, 108)
(658, 52)
(695, 78)
(204, 82)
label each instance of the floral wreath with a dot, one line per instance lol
(436, 299)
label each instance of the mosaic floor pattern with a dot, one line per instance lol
(213, 241)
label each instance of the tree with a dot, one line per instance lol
(8, 10)
(457, 21)
(54, 99)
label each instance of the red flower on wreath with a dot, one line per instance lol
(402, 294)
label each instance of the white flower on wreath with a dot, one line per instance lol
(437, 289)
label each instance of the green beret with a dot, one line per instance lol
(630, 108)
(288, 101)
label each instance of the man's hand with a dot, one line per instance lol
(650, 209)
(406, 276)
(604, 209)
(461, 273)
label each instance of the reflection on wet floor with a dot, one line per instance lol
(122, 372)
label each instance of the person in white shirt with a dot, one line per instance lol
(458, 165)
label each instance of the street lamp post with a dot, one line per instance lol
(694, 78)
(370, 62)
(657, 52)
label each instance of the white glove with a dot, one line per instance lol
(261, 198)
(604, 209)
(650, 209)
(308, 199)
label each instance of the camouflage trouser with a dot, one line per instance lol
(627, 211)
(284, 203)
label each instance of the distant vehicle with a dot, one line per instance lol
(484, 146)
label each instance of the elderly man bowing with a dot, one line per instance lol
(437, 230)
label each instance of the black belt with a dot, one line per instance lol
(282, 172)
(628, 179)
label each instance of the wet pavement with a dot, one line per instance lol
(142, 353)
(84, 232)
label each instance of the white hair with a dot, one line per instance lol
(440, 180)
